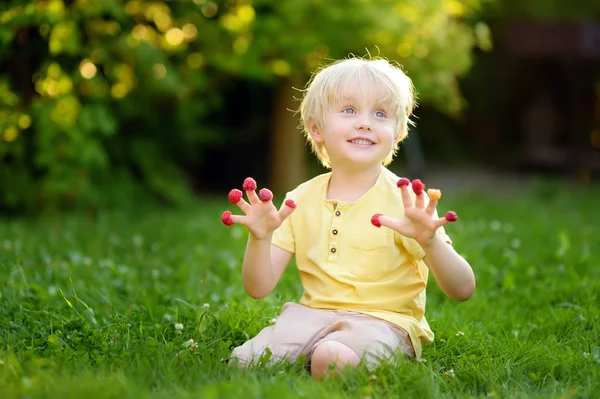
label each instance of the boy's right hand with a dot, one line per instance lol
(261, 217)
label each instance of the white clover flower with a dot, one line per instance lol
(178, 327)
(273, 321)
(449, 373)
(460, 334)
(191, 344)
(206, 306)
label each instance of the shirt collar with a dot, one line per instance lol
(369, 193)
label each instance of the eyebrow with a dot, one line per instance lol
(386, 103)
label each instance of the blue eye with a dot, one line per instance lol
(349, 110)
(380, 114)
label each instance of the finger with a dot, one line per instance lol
(286, 209)
(249, 187)
(434, 196)
(379, 220)
(240, 219)
(252, 197)
(235, 198)
(440, 222)
(229, 219)
(431, 206)
(243, 205)
(418, 186)
(420, 201)
(406, 199)
(450, 217)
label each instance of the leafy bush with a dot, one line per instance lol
(103, 102)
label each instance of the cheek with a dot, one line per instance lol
(391, 132)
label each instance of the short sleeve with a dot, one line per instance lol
(411, 245)
(283, 236)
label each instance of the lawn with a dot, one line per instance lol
(88, 306)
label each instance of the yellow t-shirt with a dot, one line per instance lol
(347, 263)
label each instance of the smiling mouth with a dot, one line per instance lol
(361, 142)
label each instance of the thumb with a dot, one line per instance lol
(286, 209)
(379, 220)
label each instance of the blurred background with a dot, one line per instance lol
(112, 103)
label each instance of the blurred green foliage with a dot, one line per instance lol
(103, 102)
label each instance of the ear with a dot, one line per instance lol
(315, 131)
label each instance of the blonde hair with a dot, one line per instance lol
(331, 84)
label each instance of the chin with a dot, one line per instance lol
(363, 163)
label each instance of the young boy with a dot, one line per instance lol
(364, 240)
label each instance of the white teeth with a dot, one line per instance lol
(361, 141)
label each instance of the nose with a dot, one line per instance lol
(364, 123)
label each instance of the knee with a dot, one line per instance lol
(238, 358)
(236, 362)
(331, 356)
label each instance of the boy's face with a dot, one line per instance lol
(358, 131)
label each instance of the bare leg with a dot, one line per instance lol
(331, 352)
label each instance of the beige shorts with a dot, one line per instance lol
(299, 329)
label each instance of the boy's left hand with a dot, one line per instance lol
(419, 221)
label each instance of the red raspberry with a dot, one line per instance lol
(249, 184)
(235, 196)
(403, 181)
(418, 186)
(290, 203)
(451, 216)
(265, 195)
(375, 219)
(226, 218)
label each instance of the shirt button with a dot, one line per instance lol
(332, 250)
(338, 213)
(334, 231)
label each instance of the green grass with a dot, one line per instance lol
(88, 307)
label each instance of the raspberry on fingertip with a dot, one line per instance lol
(249, 184)
(451, 216)
(226, 218)
(375, 219)
(235, 196)
(418, 186)
(290, 203)
(265, 195)
(403, 181)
